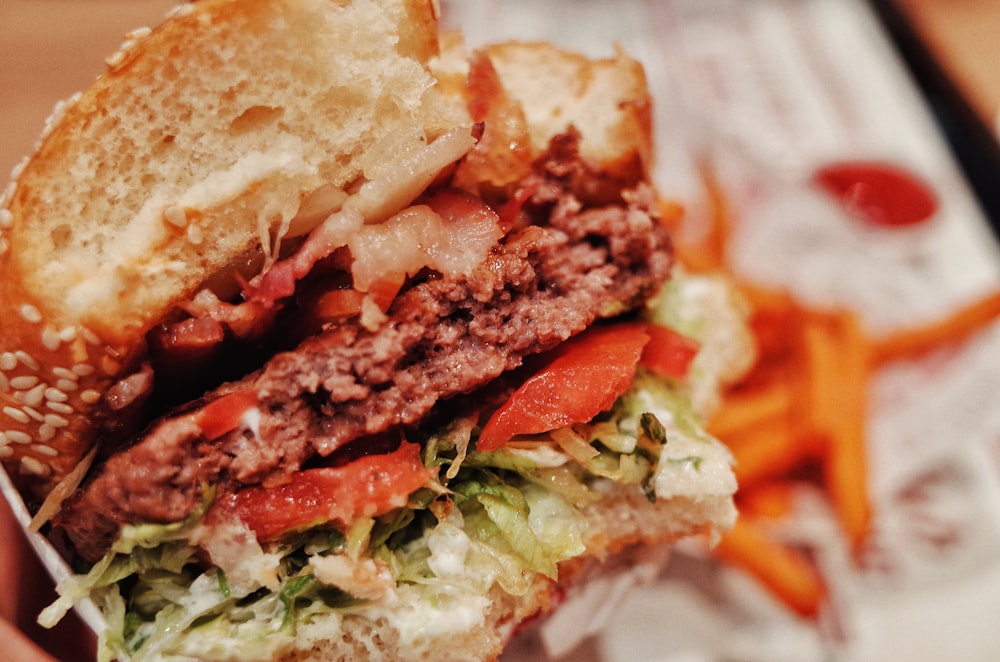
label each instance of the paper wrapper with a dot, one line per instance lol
(763, 92)
(50, 557)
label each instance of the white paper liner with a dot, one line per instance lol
(50, 557)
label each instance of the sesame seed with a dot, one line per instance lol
(8, 361)
(23, 382)
(4, 246)
(60, 407)
(90, 336)
(27, 359)
(30, 313)
(175, 216)
(67, 384)
(55, 395)
(16, 171)
(30, 465)
(139, 33)
(83, 369)
(8, 193)
(115, 59)
(42, 449)
(60, 110)
(195, 234)
(6, 218)
(4, 439)
(90, 396)
(179, 10)
(46, 432)
(18, 437)
(16, 414)
(65, 373)
(55, 421)
(6, 452)
(34, 396)
(51, 339)
(68, 334)
(32, 412)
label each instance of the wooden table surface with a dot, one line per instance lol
(50, 49)
(964, 36)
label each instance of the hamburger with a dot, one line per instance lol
(328, 338)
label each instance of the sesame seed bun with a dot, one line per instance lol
(174, 165)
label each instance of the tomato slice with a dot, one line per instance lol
(668, 352)
(369, 486)
(339, 304)
(224, 414)
(346, 303)
(384, 290)
(585, 377)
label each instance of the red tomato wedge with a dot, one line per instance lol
(369, 486)
(585, 377)
(338, 304)
(224, 414)
(341, 304)
(384, 291)
(668, 353)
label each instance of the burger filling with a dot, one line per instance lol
(421, 533)
(562, 265)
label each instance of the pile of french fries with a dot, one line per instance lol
(799, 415)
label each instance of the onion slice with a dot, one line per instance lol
(397, 183)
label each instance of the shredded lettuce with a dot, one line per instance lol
(499, 518)
(519, 516)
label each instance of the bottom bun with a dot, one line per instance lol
(629, 540)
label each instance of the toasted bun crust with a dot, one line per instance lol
(606, 100)
(186, 158)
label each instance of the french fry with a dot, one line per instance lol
(783, 571)
(745, 408)
(772, 308)
(770, 451)
(912, 342)
(837, 352)
(803, 402)
(772, 500)
(821, 348)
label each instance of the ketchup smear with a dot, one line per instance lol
(878, 193)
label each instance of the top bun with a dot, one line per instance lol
(187, 158)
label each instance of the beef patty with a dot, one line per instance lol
(547, 281)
